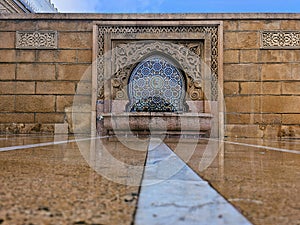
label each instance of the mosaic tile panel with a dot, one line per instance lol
(156, 85)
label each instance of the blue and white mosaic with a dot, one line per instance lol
(156, 85)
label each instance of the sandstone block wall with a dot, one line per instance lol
(261, 86)
(37, 85)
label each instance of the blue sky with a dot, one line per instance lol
(176, 6)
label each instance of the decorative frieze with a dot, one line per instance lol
(280, 39)
(127, 52)
(36, 39)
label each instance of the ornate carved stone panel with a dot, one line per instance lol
(126, 55)
(182, 52)
(280, 39)
(36, 39)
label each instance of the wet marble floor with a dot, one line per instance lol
(54, 184)
(261, 178)
(80, 180)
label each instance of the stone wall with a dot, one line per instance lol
(37, 83)
(261, 85)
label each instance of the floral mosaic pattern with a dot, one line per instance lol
(156, 85)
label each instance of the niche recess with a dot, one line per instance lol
(188, 50)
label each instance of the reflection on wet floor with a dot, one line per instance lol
(56, 185)
(119, 160)
(289, 144)
(96, 181)
(263, 184)
(18, 140)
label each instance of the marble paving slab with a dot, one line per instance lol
(172, 193)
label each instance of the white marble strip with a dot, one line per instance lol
(19, 147)
(291, 141)
(264, 147)
(256, 146)
(172, 193)
(11, 136)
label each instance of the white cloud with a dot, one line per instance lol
(75, 5)
(148, 6)
(129, 6)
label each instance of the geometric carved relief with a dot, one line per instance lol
(210, 30)
(36, 39)
(129, 54)
(280, 39)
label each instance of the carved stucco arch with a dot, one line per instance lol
(127, 56)
(109, 33)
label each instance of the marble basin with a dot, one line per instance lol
(156, 122)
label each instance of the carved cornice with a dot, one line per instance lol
(26, 6)
(13, 6)
(39, 5)
(3, 9)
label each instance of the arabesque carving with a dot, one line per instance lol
(125, 56)
(280, 39)
(36, 39)
(181, 52)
